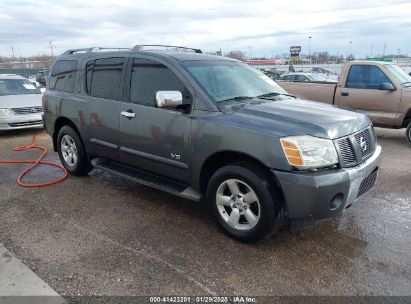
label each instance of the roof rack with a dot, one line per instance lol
(140, 47)
(93, 49)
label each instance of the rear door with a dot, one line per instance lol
(155, 139)
(104, 87)
(361, 91)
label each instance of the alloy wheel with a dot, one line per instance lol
(69, 150)
(238, 204)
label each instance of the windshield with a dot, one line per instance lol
(227, 80)
(399, 74)
(17, 87)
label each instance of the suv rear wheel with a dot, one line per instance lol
(71, 151)
(244, 202)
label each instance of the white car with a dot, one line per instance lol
(20, 103)
(308, 77)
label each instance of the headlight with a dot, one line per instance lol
(5, 112)
(308, 152)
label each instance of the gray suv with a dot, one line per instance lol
(201, 126)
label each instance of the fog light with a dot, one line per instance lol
(337, 201)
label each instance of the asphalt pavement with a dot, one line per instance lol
(104, 235)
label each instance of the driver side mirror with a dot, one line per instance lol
(386, 86)
(169, 99)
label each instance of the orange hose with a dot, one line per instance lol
(35, 163)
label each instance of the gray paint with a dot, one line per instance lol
(149, 140)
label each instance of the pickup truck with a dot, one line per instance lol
(380, 89)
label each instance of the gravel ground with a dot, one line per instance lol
(103, 235)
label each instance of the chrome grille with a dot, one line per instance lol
(346, 151)
(26, 123)
(28, 110)
(356, 148)
(365, 142)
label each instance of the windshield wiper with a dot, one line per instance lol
(274, 94)
(235, 98)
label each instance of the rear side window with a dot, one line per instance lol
(148, 77)
(366, 77)
(63, 76)
(289, 77)
(103, 78)
(302, 78)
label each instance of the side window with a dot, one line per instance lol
(89, 72)
(105, 79)
(148, 77)
(63, 75)
(366, 77)
(302, 78)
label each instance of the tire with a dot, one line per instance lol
(72, 153)
(264, 204)
(408, 133)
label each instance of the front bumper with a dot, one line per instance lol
(322, 194)
(21, 121)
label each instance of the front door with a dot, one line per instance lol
(362, 92)
(155, 139)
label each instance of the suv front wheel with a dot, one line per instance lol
(71, 151)
(408, 132)
(244, 202)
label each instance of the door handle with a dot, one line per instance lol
(345, 93)
(129, 114)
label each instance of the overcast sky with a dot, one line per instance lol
(261, 27)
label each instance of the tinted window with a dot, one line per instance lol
(148, 77)
(89, 72)
(106, 78)
(366, 77)
(63, 75)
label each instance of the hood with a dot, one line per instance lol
(20, 101)
(290, 116)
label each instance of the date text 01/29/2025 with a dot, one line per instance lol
(203, 299)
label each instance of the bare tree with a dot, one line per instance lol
(239, 55)
(350, 57)
(323, 57)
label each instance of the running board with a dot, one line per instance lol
(147, 178)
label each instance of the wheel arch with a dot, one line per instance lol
(224, 158)
(60, 123)
(407, 118)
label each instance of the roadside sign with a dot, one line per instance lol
(295, 50)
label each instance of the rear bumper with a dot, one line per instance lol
(21, 121)
(318, 195)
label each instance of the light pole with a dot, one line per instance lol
(52, 53)
(12, 51)
(309, 49)
(350, 49)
